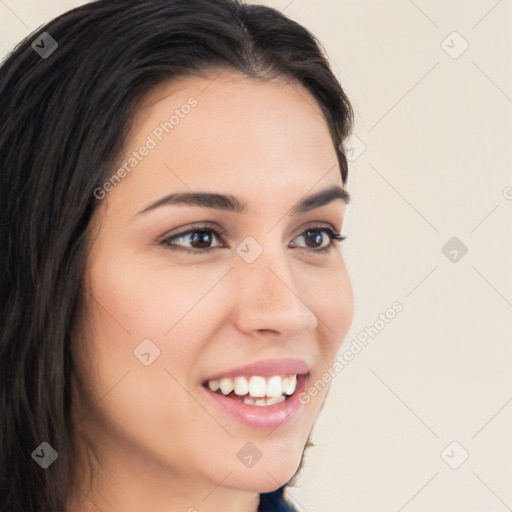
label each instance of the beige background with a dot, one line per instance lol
(436, 164)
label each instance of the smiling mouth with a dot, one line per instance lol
(256, 390)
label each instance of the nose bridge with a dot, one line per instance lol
(266, 296)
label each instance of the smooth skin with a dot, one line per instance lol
(156, 443)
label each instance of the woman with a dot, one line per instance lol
(172, 281)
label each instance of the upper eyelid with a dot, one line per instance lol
(201, 226)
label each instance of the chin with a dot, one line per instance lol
(269, 473)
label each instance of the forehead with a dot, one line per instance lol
(229, 132)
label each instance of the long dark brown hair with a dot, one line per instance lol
(63, 120)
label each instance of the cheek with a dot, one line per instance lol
(137, 299)
(334, 308)
(170, 305)
(332, 300)
(128, 303)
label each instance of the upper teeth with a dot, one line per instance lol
(256, 386)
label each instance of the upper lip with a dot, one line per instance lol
(265, 368)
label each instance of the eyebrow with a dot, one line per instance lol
(233, 204)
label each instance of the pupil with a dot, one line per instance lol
(204, 239)
(315, 235)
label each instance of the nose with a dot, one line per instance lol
(267, 298)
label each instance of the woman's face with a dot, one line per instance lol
(260, 300)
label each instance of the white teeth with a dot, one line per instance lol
(226, 386)
(290, 385)
(257, 386)
(274, 387)
(214, 385)
(241, 386)
(276, 400)
(260, 402)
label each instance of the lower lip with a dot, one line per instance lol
(267, 417)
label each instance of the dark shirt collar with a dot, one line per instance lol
(274, 502)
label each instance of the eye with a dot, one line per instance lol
(201, 238)
(316, 237)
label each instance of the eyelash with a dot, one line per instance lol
(166, 242)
